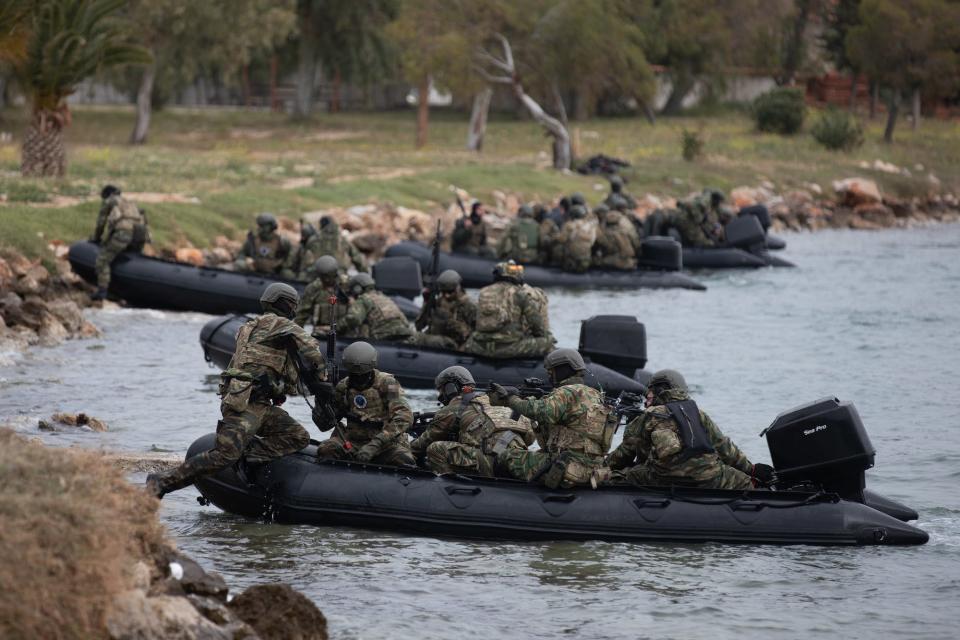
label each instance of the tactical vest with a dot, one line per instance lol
(589, 430)
(385, 319)
(267, 256)
(124, 216)
(693, 435)
(541, 302)
(580, 237)
(496, 308)
(490, 428)
(257, 367)
(367, 409)
(321, 314)
(524, 240)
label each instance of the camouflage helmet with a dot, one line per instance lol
(616, 183)
(578, 198)
(359, 358)
(326, 266)
(266, 220)
(458, 375)
(525, 211)
(449, 280)
(109, 190)
(570, 357)
(361, 282)
(578, 211)
(279, 295)
(619, 203)
(667, 379)
(715, 196)
(601, 209)
(508, 270)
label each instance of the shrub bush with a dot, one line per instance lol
(692, 143)
(838, 130)
(779, 111)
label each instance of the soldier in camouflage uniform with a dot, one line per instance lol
(377, 414)
(307, 253)
(550, 253)
(449, 318)
(467, 434)
(675, 443)
(618, 242)
(254, 385)
(126, 229)
(266, 251)
(577, 237)
(315, 308)
(510, 318)
(573, 426)
(331, 242)
(697, 223)
(616, 190)
(470, 234)
(521, 241)
(372, 315)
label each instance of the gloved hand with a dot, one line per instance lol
(763, 475)
(366, 453)
(324, 417)
(498, 394)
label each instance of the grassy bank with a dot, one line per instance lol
(238, 163)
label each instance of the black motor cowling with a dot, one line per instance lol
(744, 232)
(660, 252)
(617, 342)
(760, 212)
(822, 443)
(399, 276)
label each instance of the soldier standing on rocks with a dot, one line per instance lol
(675, 443)
(126, 229)
(254, 428)
(377, 415)
(467, 434)
(511, 318)
(449, 319)
(574, 426)
(266, 251)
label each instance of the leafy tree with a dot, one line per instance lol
(188, 38)
(907, 46)
(68, 41)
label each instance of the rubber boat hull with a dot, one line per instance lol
(298, 490)
(417, 367)
(730, 258)
(153, 283)
(478, 272)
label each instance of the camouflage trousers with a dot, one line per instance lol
(522, 348)
(455, 457)
(397, 454)
(726, 477)
(259, 434)
(117, 243)
(563, 470)
(433, 340)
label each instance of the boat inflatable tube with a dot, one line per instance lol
(153, 283)
(478, 272)
(417, 367)
(297, 489)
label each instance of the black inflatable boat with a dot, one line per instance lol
(478, 272)
(614, 347)
(298, 490)
(153, 283)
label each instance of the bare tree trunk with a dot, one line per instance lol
(423, 110)
(561, 138)
(307, 69)
(558, 102)
(274, 101)
(648, 112)
(478, 119)
(335, 93)
(916, 108)
(245, 84)
(580, 110)
(682, 85)
(144, 105)
(874, 98)
(893, 108)
(793, 56)
(853, 92)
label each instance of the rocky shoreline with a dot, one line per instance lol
(94, 561)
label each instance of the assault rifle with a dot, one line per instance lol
(430, 282)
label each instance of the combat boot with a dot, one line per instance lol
(155, 485)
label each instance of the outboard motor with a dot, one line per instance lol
(660, 252)
(400, 276)
(822, 443)
(744, 232)
(760, 212)
(617, 342)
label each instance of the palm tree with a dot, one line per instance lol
(69, 40)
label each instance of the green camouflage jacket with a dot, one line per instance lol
(454, 318)
(507, 312)
(315, 308)
(477, 424)
(376, 317)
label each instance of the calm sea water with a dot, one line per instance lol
(868, 317)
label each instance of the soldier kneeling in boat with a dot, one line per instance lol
(321, 298)
(266, 251)
(675, 443)
(448, 316)
(373, 315)
(574, 426)
(468, 434)
(263, 370)
(376, 413)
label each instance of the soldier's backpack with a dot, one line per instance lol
(495, 308)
